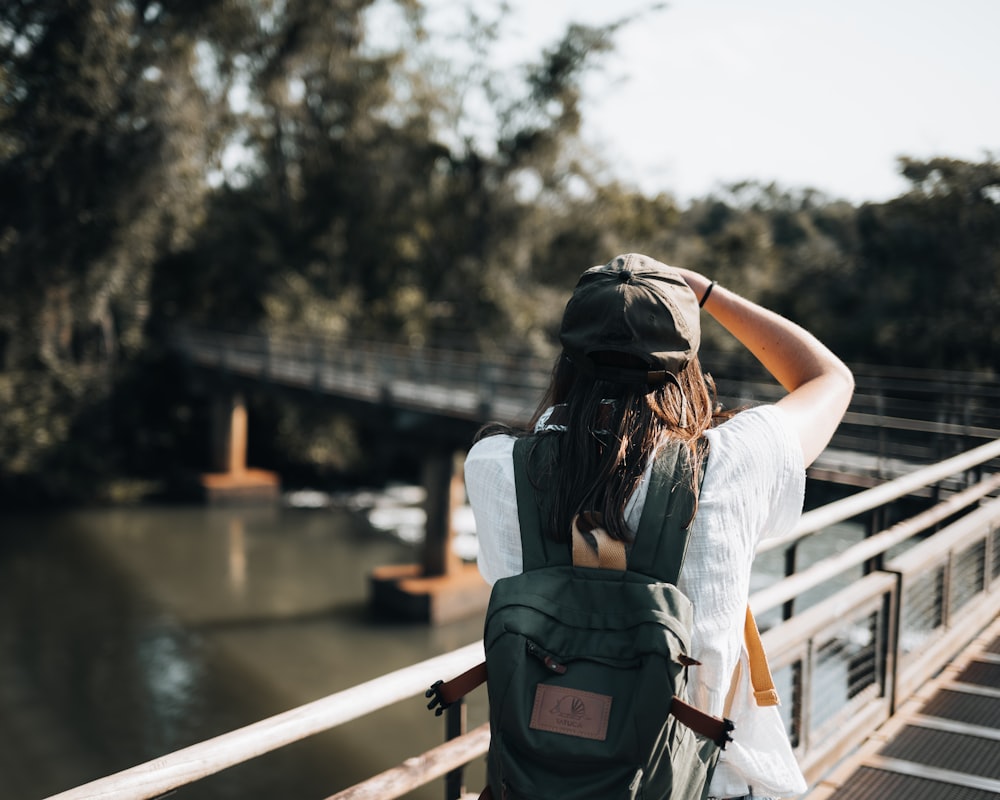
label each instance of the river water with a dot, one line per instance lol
(129, 633)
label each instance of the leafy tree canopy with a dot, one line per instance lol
(261, 164)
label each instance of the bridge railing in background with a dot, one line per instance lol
(892, 413)
(842, 665)
(447, 382)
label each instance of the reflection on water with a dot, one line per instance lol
(237, 556)
(126, 634)
(170, 677)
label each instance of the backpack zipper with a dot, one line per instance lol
(546, 658)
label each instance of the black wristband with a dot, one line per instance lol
(704, 297)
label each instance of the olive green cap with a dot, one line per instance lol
(637, 306)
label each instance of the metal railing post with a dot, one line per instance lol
(894, 621)
(454, 726)
(877, 523)
(804, 678)
(791, 556)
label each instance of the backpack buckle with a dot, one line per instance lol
(437, 704)
(724, 737)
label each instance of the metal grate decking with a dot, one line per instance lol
(945, 746)
(871, 783)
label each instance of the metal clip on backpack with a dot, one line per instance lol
(587, 658)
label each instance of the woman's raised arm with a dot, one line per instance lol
(818, 383)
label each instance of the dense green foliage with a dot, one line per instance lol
(256, 164)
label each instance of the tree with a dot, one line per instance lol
(106, 131)
(930, 268)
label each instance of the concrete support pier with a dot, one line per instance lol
(441, 588)
(231, 481)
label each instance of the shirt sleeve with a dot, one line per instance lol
(789, 475)
(760, 456)
(489, 483)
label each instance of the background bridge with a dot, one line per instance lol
(431, 402)
(916, 416)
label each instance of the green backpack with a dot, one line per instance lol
(585, 661)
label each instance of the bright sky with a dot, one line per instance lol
(809, 93)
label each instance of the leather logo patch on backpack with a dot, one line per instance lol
(572, 712)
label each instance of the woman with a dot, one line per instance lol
(628, 380)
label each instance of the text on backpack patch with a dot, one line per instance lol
(572, 712)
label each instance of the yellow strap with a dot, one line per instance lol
(592, 547)
(764, 692)
(760, 672)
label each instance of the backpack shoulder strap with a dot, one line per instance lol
(662, 538)
(536, 549)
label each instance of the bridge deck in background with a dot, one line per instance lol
(855, 468)
(944, 744)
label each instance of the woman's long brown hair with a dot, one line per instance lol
(596, 464)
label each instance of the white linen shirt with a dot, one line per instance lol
(753, 487)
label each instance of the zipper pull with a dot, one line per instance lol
(546, 658)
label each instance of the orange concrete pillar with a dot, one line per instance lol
(229, 434)
(231, 480)
(441, 588)
(443, 482)
(237, 456)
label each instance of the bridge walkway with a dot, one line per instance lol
(942, 744)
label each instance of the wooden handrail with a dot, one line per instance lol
(421, 769)
(161, 775)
